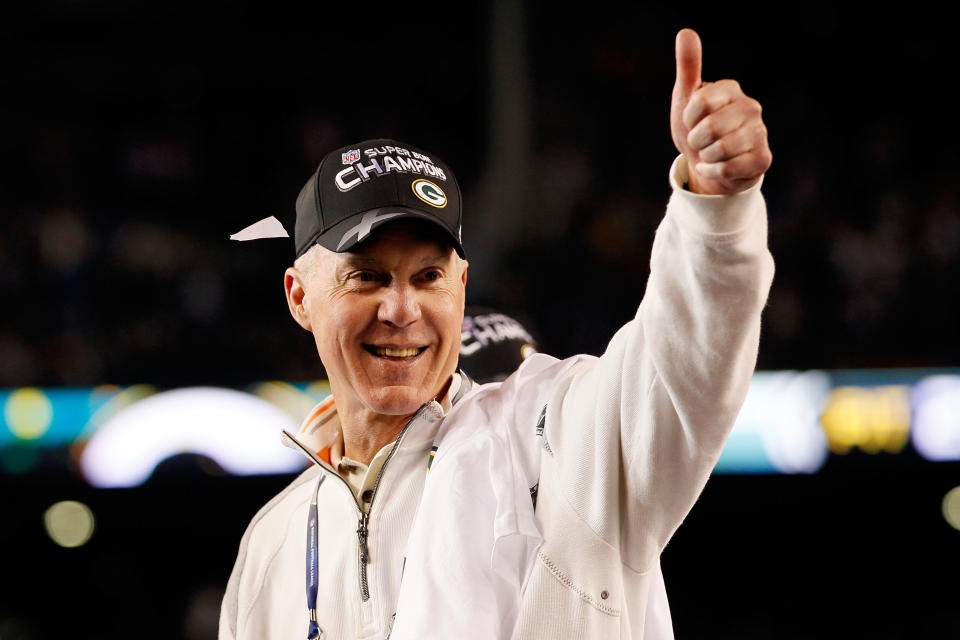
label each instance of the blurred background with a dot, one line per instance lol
(142, 353)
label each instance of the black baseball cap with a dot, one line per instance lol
(361, 186)
(492, 344)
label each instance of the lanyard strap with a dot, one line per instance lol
(314, 632)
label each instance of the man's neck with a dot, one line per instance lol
(366, 432)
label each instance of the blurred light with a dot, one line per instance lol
(777, 428)
(318, 391)
(52, 418)
(871, 418)
(951, 507)
(936, 405)
(69, 523)
(105, 401)
(236, 430)
(286, 397)
(28, 413)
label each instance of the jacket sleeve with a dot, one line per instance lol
(635, 434)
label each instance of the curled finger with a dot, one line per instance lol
(718, 124)
(735, 143)
(745, 167)
(709, 99)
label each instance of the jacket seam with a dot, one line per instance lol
(561, 489)
(576, 512)
(565, 580)
(653, 383)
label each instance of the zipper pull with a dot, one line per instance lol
(362, 537)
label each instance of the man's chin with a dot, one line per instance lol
(398, 401)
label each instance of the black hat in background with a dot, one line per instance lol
(361, 186)
(492, 344)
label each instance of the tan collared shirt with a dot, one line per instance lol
(362, 477)
(359, 476)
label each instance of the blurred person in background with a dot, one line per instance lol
(535, 507)
(492, 344)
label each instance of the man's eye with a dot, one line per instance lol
(365, 276)
(432, 276)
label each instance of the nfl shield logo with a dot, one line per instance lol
(351, 156)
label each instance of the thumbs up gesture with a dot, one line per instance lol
(715, 126)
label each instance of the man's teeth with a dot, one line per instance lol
(397, 353)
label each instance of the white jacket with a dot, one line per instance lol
(627, 442)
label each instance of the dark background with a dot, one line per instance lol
(136, 136)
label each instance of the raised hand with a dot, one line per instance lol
(715, 126)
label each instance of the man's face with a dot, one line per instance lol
(386, 318)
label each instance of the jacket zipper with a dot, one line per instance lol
(363, 525)
(364, 517)
(364, 556)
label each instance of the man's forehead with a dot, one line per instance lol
(375, 258)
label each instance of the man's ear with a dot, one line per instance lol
(463, 276)
(293, 286)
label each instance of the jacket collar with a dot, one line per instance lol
(321, 427)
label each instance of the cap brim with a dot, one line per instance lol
(348, 233)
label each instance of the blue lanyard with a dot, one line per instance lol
(314, 632)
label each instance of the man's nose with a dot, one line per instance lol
(399, 307)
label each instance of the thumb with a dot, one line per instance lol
(689, 63)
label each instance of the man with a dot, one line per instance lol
(622, 445)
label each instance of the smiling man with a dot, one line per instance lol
(386, 318)
(536, 507)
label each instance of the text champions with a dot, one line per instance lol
(383, 160)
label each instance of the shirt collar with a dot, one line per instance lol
(320, 432)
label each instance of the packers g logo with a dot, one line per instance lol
(429, 193)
